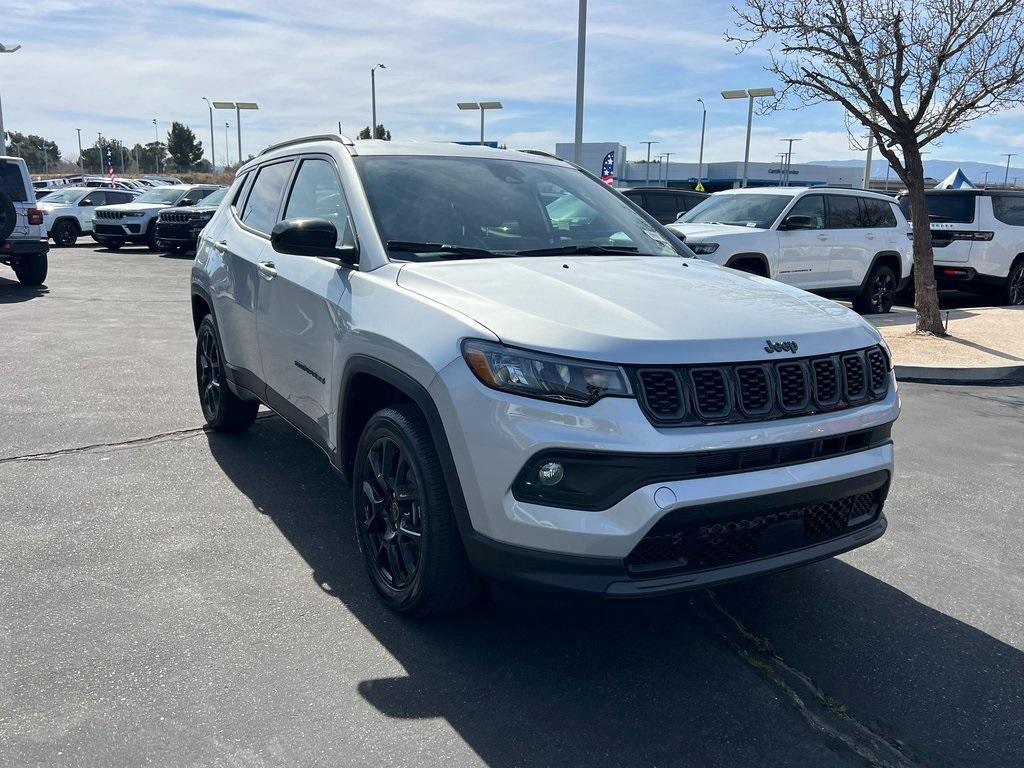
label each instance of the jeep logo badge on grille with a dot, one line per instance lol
(780, 346)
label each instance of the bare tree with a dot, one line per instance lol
(909, 71)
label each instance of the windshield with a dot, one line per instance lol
(213, 199)
(758, 211)
(65, 196)
(480, 207)
(164, 195)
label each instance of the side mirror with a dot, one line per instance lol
(797, 222)
(311, 237)
(87, 203)
(186, 202)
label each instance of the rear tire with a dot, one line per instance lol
(65, 233)
(223, 410)
(403, 517)
(31, 271)
(879, 291)
(1013, 293)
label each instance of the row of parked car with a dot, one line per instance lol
(163, 218)
(44, 186)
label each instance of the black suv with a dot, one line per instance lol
(178, 228)
(663, 203)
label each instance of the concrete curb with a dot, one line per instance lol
(997, 375)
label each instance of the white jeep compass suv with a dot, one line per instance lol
(512, 396)
(135, 221)
(842, 243)
(978, 240)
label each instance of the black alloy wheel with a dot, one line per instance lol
(392, 513)
(65, 233)
(223, 410)
(1015, 286)
(879, 293)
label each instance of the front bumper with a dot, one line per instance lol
(118, 228)
(493, 435)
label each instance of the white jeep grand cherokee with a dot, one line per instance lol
(843, 243)
(517, 397)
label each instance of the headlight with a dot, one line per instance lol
(548, 377)
(702, 249)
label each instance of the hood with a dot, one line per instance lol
(134, 207)
(637, 309)
(710, 231)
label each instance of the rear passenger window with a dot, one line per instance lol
(264, 200)
(317, 194)
(876, 213)
(118, 197)
(812, 206)
(664, 207)
(12, 183)
(1009, 209)
(843, 212)
(99, 197)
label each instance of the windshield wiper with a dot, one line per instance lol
(570, 250)
(445, 248)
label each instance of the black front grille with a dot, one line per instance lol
(176, 216)
(753, 391)
(102, 214)
(704, 544)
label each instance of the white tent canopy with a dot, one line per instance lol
(956, 180)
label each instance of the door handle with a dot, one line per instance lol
(823, 237)
(869, 236)
(221, 245)
(266, 269)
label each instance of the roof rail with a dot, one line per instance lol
(340, 138)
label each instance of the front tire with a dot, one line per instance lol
(879, 292)
(403, 517)
(223, 410)
(65, 234)
(31, 271)
(1013, 294)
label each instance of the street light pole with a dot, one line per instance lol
(227, 148)
(213, 156)
(647, 167)
(156, 142)
(789, 159)
(1006, 176)
(3, 134)
(373, 99)
(581, 61)
(700, 157)
(667, 156)
(750, 94)
(81, 159)
(782, 166)
(984, 184)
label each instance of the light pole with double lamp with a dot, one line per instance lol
(483, 106)
(647, 168)
(751, 94)
(700, 157)
(3, 136)
(213, 154)
(373, 99)
(238, 106)
(789, 160)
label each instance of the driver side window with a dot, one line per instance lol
(812, 206)
(317, 194)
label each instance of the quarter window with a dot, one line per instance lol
(812, 206)
(265, 198)
(317, 194)
(1009, 209)
(241, 183)
(843, 212)
(11, 182)
(876, 213)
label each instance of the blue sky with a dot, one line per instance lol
(111, 66)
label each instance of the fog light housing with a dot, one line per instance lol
(550, 473)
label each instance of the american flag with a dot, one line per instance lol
(110, 165)
(608, 168)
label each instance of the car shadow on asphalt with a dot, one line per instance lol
(13, 292)
(530, 680)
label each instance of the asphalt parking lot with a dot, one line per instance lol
(174, 597)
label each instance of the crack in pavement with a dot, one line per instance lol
(177, 434)
(823, 712)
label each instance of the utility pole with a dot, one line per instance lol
(581, 61)
(647, 167)
(81, 159)
(789, 159)
(667, 156)
(1006, 176)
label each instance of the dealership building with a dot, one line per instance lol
(716, 176)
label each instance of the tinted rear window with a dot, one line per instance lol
(1009, 209)
(11, 182)
(944, 207)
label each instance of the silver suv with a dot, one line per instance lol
(23, 243)
(519, 396)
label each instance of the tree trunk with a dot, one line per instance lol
(926, 295)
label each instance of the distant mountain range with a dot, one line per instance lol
(939, 169)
